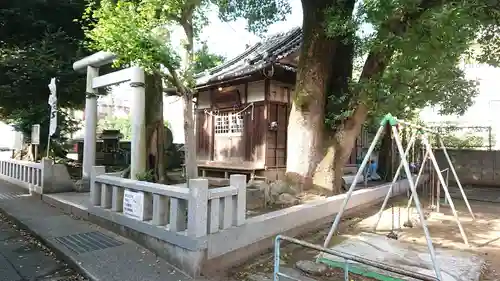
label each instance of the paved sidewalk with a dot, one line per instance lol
(22, 257)
(99, 254)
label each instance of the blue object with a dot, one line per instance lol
(372, 169)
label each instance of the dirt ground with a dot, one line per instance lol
(256, 200)
(483, 235)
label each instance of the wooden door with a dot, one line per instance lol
(228, 139)
(276, 139)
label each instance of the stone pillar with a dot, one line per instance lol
(197, 208)
(240, 204)
(47, 177)
(138, 109)
(89, 142)
(95, 190)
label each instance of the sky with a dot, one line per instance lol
(229, 39)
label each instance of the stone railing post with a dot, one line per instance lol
(240, 204)
(198, 208)
(47, 175)
(95, 190)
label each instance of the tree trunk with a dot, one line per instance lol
(329, 173)
(189, 137)
(325, 68)
(155, 127)
(305, 127)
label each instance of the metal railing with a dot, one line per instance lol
(347, 258)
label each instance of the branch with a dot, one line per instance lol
(168, 76)
(173, 78)
(378, 60)
(186, 22)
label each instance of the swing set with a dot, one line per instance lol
(431, 169)
(423, 162)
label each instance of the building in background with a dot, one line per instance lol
(118, 104)
(486, 108)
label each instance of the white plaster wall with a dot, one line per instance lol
(278, 93)
(256, 91)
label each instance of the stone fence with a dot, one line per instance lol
(474, 167)
(29, 175)
(196, 228)
(175, 214)
(43, 177)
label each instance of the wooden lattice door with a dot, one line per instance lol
(228, 138)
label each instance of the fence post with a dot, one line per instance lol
(198, 208)
(490, 140)
(47, 175)
(240, 206)
(95, 190)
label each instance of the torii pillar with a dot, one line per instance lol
(135, 76)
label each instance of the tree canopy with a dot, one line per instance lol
(204, 59)
(39, 40)
(358, 60)
(364, 58)
(142, 33)
(423, 68)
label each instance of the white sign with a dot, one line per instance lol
(53, 106)
(133, 204)
(18, 140)
(35, 134)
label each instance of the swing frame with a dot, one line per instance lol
(422, 132)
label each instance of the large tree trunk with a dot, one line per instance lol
(155, 127)
(189, 138)
(328, 175)
(306, 122)
(325, 68)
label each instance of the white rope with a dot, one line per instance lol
(251, 105)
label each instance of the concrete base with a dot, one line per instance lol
(240, 256)
(455, 265)
(60, 181)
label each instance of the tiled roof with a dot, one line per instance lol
(255, 58)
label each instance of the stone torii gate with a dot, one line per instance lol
(135, 76)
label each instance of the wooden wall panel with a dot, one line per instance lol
(276, 140)
(204, 132)
(256, 134)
